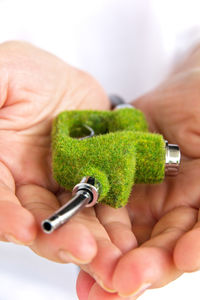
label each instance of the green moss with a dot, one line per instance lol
(121, 152)
(150, 166)
(127, 119)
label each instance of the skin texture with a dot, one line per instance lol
(34, 87)
(120, 252)
(164, 218)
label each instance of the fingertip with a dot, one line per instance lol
(126, 276)
(82, 244)
(17, 224)
(187, 251)
(72, 242)
(83, 285)
(97, 293)
(141, 267)
(104, 264)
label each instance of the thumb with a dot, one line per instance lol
(173, 110)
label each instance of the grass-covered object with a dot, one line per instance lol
(121, 152)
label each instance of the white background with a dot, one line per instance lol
(129, 46)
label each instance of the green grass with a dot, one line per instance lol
(122, 152)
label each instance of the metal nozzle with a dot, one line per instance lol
(90, 184)
(85, 193)
(173, 158)
(63, 214)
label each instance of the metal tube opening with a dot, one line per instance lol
(47, 227)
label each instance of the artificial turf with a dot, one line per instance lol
(121, 153)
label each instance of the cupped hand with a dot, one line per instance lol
(34, 87)
(165, 218)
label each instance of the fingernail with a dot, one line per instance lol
(138, 292)
(100, 282)
(68, 257)
(12, 239)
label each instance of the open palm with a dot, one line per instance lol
(165, 217)
(34, 87)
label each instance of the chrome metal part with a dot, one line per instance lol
(85, 194)
(91, 185)
(91, 131)
(173, 159)
(67, 211)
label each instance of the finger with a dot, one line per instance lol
(102, 266)
(118, 226)
(143, 216)
(88, 289)
(82, 240)
(16, 223)
(84, 284)
(72, 242)
(152, 263)
(97, 293)
(149, 203)
(170, 110)
(187, 250)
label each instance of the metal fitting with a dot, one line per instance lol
(172, 159)
(91, 185)
(85, 194)
(67, 211)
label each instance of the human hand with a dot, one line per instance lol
(34, 87)
(165, 217)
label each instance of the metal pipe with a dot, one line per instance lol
(62, 215)
(85, 194)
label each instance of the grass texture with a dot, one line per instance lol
(121, 153)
